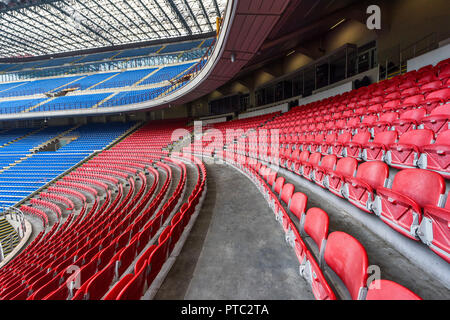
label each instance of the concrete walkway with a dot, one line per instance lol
(236, 249)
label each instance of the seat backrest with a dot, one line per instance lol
(443, 109)
(423, 186)
(279, 184)
(287, 192)
(370, 119)
(361, 138)
(391, 104)
(304, 155)
(386, 137)
(443, 138)
(389, 116)
(348, 259)
(298, 204)
(414, 99)
(330, 138)
(271, 177)
(328, 162)
(346, 166)
(319, 138)
(419, 137)
(344, 138)
(433, 85)
(414, 114)
(389, 290)
(443, 94)
(315, 158)
(316, 225)
(374, 173)
(410, 91)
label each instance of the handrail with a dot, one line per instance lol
(400, 55)
(191, 73)
(14, 214)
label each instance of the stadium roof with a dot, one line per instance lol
(42, 27)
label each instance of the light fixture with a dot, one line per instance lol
(290, 53)
(337, 24)
(233, 57)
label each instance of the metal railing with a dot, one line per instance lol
(182, 79)
(396, 57)
(13, 214)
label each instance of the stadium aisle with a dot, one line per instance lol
(236, 247)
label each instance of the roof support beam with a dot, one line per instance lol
(137, 14)
(192, 15)
(15, 43)
(167, 17)
(216, 6)
(76, 37)
(22, 12)
(156, 19)
(106, 32)
(179, 16)
(120, 22)
(87, 27)
(40, 36)
(206, 15)
(127, 17)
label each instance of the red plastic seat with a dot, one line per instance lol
(436, 98)
(401, 206)
(297, 205)
(376, 149)
(329, 140)
(302, 158)
(408, 120)
(406, 152)
(315, 224)
(353, 148)
(385, 122)
(287, 192)
(328, 163)
(118, 287)
(360, 190)
(348, 259)
(389, 290)
(338, 146)
(434, 229)
(134, 288)
(335, 178)
(436, 156)
(308, 166)
(438, 120)
(431, 86)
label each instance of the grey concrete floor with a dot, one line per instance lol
(236, 249)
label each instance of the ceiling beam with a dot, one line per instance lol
(16, 43)
(63, 36)
(36, 41)
(179, 16)
(137, 14)
(115, 18)
(87, 27)
(167, 17)
(216, 6)
(127, 17)
(206, 15)
(192, 15)
(154, 18)
(101, 18)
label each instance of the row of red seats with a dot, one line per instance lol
(90, 224)
(414, 205)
